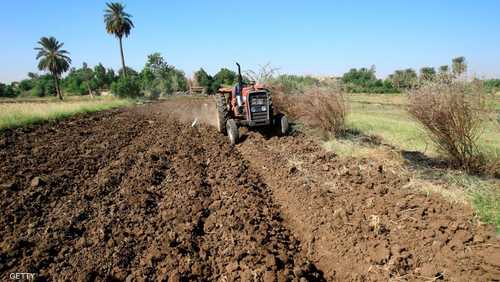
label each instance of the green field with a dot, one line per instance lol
(19, 112)
(384, 115)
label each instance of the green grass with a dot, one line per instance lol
(390, 121)
(484, 195)
(25, 113)
(487, 207)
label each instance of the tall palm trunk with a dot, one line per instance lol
(123, 57)
(58, 89)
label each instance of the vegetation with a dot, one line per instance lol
(53, 59)
(318, 107)
(22, 114)
(126, 87)
(385, 115)
(159, 78)
(459, 66)
(295, 83)
(383, 119)
(119, 24)
(223, 78)
(404, 79)
(363, 80)
(492, 85)
(427, 74)
(453, 115)
(7, 91)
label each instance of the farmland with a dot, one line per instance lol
(140, 192)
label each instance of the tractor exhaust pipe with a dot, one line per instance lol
(240, 78)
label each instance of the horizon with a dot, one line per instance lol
(316, 38)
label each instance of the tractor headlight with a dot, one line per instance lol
(256, 109)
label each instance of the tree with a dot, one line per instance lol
(404, 79)
(43, 85)
(225, 77)
(100, 76)
(160, 78)
(119, 24)
(427, 73)
(126, 87)
(203, 79)
(157, 64)
(362, 77)
(53, 59)
(444, 74)
(364, 80)
(7, 91)
(110, 77)
(128, 71)
(459, 66)
(88, 79)
(25, 85)
(443, 69)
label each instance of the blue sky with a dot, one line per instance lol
(301, 37)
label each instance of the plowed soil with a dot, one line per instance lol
(140, 194)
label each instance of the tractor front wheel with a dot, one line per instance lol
(282, 124)
(232, 131)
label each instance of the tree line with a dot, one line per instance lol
(364, 80)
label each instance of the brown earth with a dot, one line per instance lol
(137, 194)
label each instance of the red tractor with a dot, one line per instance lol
(247, 105)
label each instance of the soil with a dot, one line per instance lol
(143, 194)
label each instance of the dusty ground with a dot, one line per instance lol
(137, 194)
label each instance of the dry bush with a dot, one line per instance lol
(452, 114)
(317, 107)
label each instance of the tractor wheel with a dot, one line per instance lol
(222, 113)
(282, 124)
(232, 131)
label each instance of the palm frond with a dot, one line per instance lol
(51, 56)
(117, 21)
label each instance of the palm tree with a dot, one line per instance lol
(53, 59)
(459, 66)
(119, 24)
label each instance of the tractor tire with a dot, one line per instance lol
(282, 125)
(222, 113)
(232, 131)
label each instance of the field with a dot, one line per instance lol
(154, 192)
(21, 112)
(384, 116)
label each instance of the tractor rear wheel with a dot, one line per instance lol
(232, 131)
(222, 113)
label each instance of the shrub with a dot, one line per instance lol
(452, 114)
(43, 86)
(126, 87)
(317, 107)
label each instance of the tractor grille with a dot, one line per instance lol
(259, 100)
